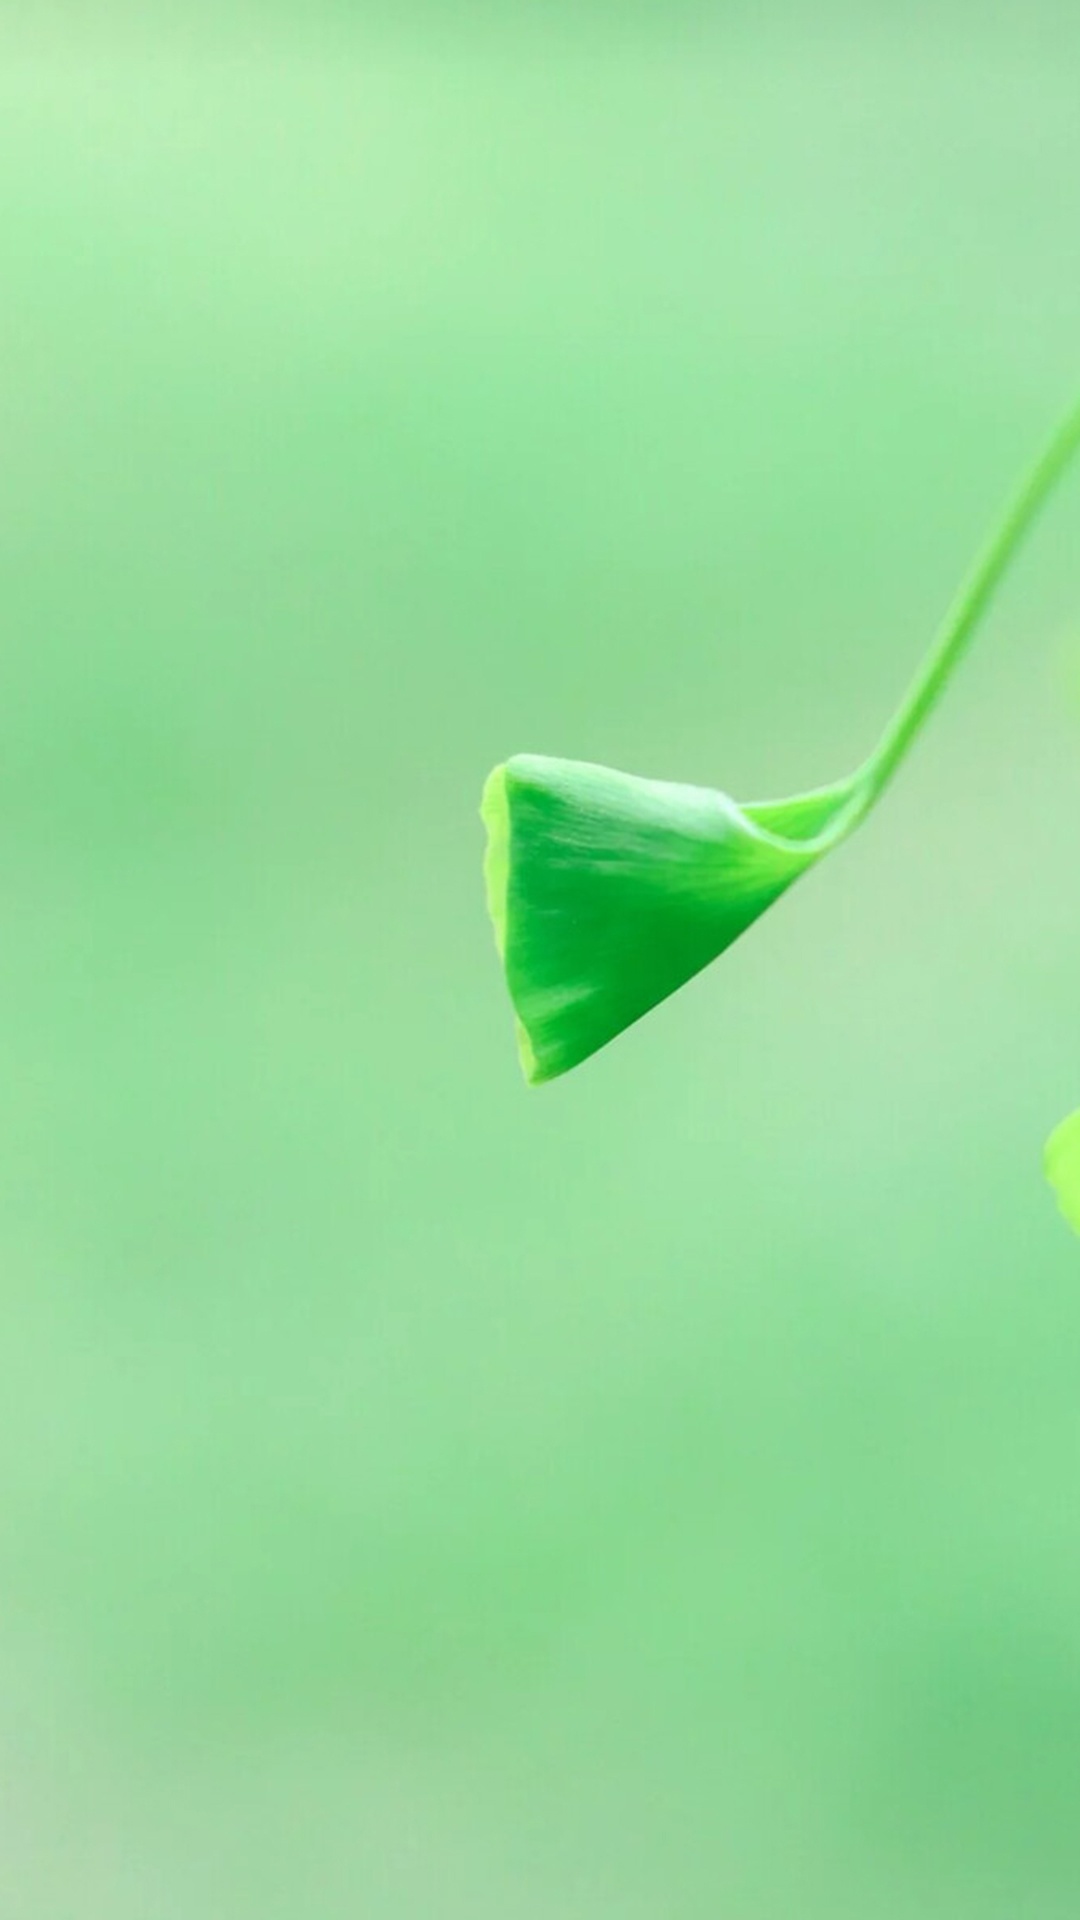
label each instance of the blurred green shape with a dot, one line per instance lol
(1062, 1162)
(608, 892)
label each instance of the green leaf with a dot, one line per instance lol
(1062, 1163)
(607, 892)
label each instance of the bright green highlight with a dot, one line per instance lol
(607, 892)
(495, 813)
(1062, 1163)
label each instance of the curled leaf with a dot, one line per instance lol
(607, 892)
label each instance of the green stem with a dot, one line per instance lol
(965, 614)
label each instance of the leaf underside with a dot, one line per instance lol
(608, 892)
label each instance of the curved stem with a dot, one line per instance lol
(965, 613)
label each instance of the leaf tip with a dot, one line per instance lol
(495, 814)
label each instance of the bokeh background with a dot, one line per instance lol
(657, 1495)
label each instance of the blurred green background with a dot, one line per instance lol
(655, 1496)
